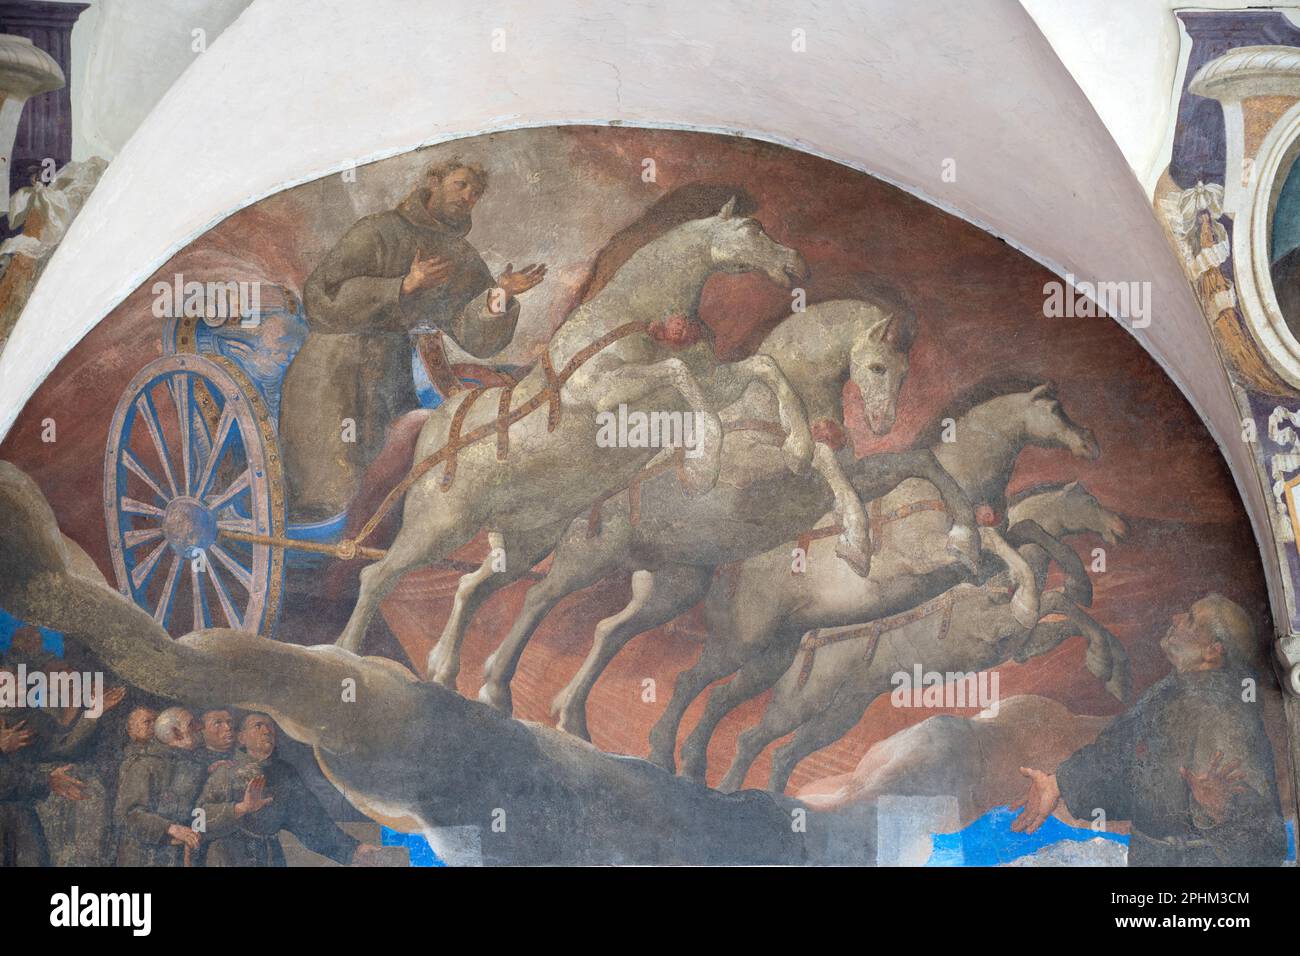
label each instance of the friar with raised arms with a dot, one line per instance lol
(394, 273)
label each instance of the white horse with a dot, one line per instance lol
(758, 612)
(677, 540)
(526, 485)
(840, 671)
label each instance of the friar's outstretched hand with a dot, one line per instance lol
(512, 283)
(1039, 803)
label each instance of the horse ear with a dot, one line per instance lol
(728, 209)
(1042, 391)
(889, 331)
(1072, 485)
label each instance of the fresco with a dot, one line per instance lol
(604, 495)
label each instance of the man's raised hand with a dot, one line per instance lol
(1043, 796)
(66, 785)
(1215, 788)
(426, 273)
(15, 738)
(254, 797)
(512, 283)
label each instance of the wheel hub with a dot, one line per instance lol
(188, 526)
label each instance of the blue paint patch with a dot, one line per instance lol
(989, 841)
(9, 626)
(51, 641)
(421, 853)
(424, 390)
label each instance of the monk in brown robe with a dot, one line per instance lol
(407, 270)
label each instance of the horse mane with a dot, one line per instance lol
(871, 289)
(691, 201)
(1042, 488)
(893, 300)
(979, 393)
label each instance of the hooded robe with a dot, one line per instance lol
(356, 362)
(1132, 772)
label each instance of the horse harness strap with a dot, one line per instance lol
(453, 434)
(874, 632)
(433, 352)
(553, 385)
(877, 520)
(503, 422)
(456, 441)
(806, 539)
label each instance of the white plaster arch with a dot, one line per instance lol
(295, 89)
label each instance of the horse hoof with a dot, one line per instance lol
(446, 676)
(855, 557)
(798, 451)
(1024, 610)
(694, 766)
(497, 698)
(1080, 592)
(730, 784)
(963, 544)
(574, 725)
(663, 760)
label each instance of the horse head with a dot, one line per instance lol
(1047, 425)
(739, 244)
(1077, 511)
(878, 364)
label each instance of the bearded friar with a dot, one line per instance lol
(403, 272)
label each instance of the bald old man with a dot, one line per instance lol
(1189, 764)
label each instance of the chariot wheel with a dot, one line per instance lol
(192, 453)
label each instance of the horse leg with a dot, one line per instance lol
(788, 709)
(702, 465)
(414, 547)
(853, 546)
(877, 475)
(728, 382)
(519, 551)
(755, 676)
(578, 562)
(657, 597)
(840, 716)
(1107, 658)
(722, 655)
(1025, 599)
(1078, 586)
(1044, 636)
(796, 699)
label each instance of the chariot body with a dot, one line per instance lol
(200, 528)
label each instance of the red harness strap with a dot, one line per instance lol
(453, 436)
(553, 385)
(878, 520)
(874, 631)
(816, 534)
(433, 353)
(503, 422)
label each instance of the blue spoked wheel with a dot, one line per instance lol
(192, 459)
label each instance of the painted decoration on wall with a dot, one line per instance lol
(1230, 201)
(603, 495)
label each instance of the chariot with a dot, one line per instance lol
(195, 501)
